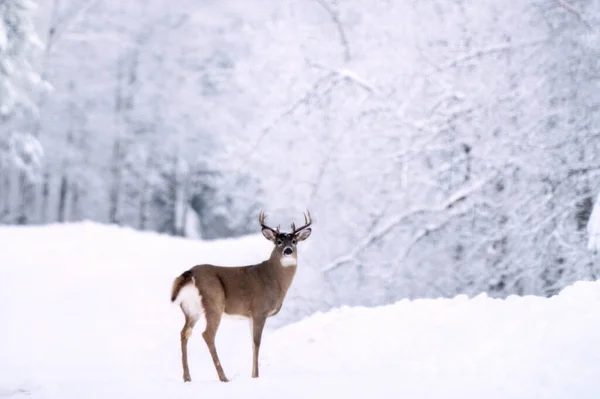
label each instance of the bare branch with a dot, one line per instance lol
(265, 131)
(570, 8)
(494, 49)
(340, 28)
(583, 170)
(424, 232)
(68, 21)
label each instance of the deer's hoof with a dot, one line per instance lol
(186, 378)
(224, 379)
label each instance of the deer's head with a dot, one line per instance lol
(285, 243)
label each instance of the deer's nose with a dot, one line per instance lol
(288, 251)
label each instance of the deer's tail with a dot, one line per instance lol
(179, 283)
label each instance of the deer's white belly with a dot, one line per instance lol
(234, 317)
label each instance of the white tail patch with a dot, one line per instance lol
(190, 299)
(288, 261)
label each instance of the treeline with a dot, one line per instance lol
(443, 147)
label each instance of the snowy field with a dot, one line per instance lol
(85, 313)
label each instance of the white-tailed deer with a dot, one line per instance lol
(255, 292)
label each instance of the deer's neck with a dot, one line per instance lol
(281, 271)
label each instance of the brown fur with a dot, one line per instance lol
(256, 292)
(179, 282)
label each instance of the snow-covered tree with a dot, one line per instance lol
(19, 45)
(20, 152)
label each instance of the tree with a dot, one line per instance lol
(19, 80)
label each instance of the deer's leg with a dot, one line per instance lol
(258, 324)
(186, 332)
(213, 319)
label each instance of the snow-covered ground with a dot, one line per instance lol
(85, 313)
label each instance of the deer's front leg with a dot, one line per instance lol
(258, 324)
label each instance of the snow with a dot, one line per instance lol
(85, 312)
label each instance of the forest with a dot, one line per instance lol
(443, 147)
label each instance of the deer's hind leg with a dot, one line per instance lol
(186, 332)
(213, 318)
(192, 309)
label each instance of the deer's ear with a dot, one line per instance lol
(269, 235)
(304, 234)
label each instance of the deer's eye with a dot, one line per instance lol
(294, 242)
(279, 242)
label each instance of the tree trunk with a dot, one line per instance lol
(173, 190)
(143, 213)
(5, 193)
(75, 195)
(45, 197)
(144, 195)
(183, 207)
(115, 192)
(25, 194)
(62, 198)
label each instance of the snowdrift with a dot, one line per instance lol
(85, 313)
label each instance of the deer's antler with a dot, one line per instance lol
(307, 222)
(261, 220)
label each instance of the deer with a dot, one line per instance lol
(255, 292)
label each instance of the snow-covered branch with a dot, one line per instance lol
(571, 8)
(346, 74)
(334, 15)
(303, 100)
(378, 233)
(65, 22)
(490, 50)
